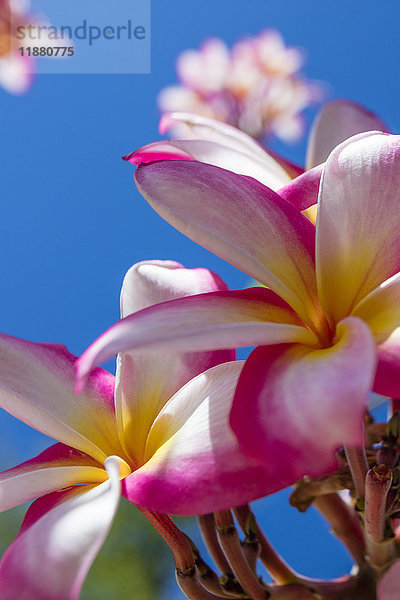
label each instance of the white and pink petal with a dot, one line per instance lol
(335, 123)
(387, 377)
(145, 381)
(240, 220)
(194, 464)
(59, 539)
(56, 468)
(380, 309)
(211, 130)
(266, 171)
(150, 282)
(358, 225)
(302, 192)
(294, 405)
(37, 387)
(213, 321)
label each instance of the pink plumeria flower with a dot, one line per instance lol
(256, 86)
(158, 433)
(327, 326)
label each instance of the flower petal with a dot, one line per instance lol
(59, 539)
(303, 191)
(358, 225)
(36, 386)
(196, 126)
(145, 382)
(194, 463)
(388, 584)
(162, 150)
(215, 321)
(203, 128)
(150, 282)
(336, 122)
(268, 172)
(381, 308)
(387, 378)
(241, 221)
(56, 468)
(294, 405)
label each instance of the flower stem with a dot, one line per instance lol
(175, 538)
(378, 482)
(208, 578)
(361, 586)
(252, 551)
(192, 588)
(345, 523)
(358, 465)
(186, 576)
(209, 534)
(277, 567)
(230, 543)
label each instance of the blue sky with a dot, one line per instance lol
(73, 223)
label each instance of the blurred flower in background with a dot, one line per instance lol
(16, 67)
(256, 86)
(15, 70)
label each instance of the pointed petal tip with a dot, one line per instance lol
(128, 157)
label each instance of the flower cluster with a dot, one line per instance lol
(326, 324)
(256, 86)
(185, 428)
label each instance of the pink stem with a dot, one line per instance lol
(276, 566)
(230, 543)
(345, 523)
(358, 465)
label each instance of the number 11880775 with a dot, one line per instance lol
(47, 51)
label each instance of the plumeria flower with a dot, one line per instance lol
(256, 86)
(158, 433)
(326, 329)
